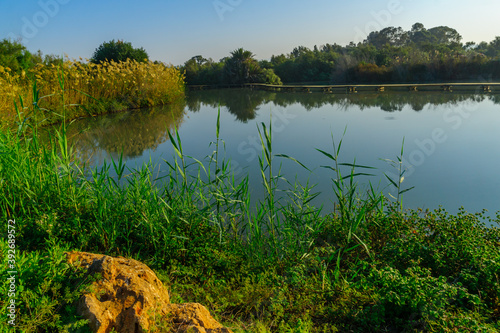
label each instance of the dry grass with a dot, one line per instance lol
(89, 88)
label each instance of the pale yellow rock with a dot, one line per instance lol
(130, 298)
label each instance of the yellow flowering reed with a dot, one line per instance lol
(89, 88)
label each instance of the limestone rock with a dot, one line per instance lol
(131, 299)
(194, 317)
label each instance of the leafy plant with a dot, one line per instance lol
(118, 51)
(398, 180)
(280, 266)
(351, 208)
(47, 289)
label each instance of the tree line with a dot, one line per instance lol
(389, 55)
(15, 56)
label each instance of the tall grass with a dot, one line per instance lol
(90, 88)
(397, 181)
(366, 266)
(352, 208)
(203, 193)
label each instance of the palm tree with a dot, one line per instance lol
(241, 67)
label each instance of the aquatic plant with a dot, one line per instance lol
(279, 266)
(89, 88)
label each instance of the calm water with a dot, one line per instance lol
(451, 141)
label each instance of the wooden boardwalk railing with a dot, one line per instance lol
(354, 88)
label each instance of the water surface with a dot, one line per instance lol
(451, 140)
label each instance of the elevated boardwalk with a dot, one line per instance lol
(354, 88)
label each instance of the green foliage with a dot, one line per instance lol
(46, 291)
(281, 266)
(240, 68)
(491, 49)
(413, 299)
(459, 247)
(15, 56)
(118, 51)
(88, 89)
(268, 76)
(389, 55)
(388, 36)
(199, 70)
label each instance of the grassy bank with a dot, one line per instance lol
(87, 88)
(279, 266)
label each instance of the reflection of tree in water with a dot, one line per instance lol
(132, 132)
(495, 98)
(388, 101)
(309, 101)
(138, 130)
(244, 103)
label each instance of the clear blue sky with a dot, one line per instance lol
(174, 31)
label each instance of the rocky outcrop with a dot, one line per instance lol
(129, 297)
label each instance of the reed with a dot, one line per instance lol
(89, 88)
(352, 208)
(397, 181)
(281, 263)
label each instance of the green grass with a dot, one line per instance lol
(281, 265)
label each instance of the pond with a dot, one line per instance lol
(451, 140)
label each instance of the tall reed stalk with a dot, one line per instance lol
(397, 181)
(352, 209)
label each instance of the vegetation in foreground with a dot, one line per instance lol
(281, 266)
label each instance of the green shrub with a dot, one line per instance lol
(46, 290)
(118, 51)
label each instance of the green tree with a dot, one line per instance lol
(199, 70)
(482, 47)
(390, 35)
(278, 60)
(419, 35)
(299, 52)
(417, 27)
(241, 67)
(15, 55)
(267, 75)
(47, 59)
(445, 35)
(192, 68)
(493, 49)
(118, 51)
